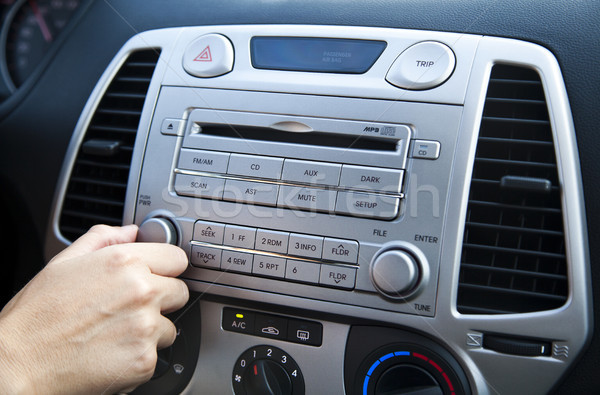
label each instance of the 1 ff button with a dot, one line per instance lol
(210, 55)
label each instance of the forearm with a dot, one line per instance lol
(13, 376)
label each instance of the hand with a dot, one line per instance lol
(91, 320)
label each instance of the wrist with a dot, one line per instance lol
(13, 378)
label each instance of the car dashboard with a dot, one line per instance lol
(382, 198)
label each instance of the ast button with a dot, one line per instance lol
(238, 320)
(337, 276)
(340, 250)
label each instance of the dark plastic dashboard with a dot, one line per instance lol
(37, 121)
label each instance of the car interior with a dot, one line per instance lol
(375, 197)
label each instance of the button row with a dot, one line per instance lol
(275, 267)
(296, 244)
(272, 326)
(293, 170)
(352, 203)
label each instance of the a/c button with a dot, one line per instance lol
(238, 320)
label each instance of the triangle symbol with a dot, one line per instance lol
(204, 56)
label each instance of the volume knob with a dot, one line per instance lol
(395, 273)
(157, 230)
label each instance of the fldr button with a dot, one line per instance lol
(422, 66)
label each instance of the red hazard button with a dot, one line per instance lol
(208, 56)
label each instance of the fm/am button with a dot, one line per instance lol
(200, 160)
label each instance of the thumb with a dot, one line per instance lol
(99, 236)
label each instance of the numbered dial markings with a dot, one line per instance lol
(263, 367)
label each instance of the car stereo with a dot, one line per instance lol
(349, 198)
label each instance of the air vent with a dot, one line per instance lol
(513, 257)
(98, 183)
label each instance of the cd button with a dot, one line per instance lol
(369, 178)
(305, 246)
(250, 192)
(424, 149)
(311, 172)
(255, 166)
(199, 160)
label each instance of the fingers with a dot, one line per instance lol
(173, 293)
(99, 236)
(167, 334)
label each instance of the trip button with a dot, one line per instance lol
(202, 256)
(305, 246)
(255, 166)
(199, 160)
(270, 326)
(375, 179)
(305, 332)
(209, 232)
(340, 250)
(236, 261)
(337, 276)
(307, 172)
(424, 65)
(238, 320)
(367, 205)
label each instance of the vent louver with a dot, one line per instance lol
(513, 256)
(96, 190)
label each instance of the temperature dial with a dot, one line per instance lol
(266, 370)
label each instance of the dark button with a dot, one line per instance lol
(305, 332)
(238, 320)
(270, 326)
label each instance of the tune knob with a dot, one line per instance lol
(395, 272)
(157, 230)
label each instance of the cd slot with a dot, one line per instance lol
(314, 138)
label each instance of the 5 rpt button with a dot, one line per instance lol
(424, 65)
